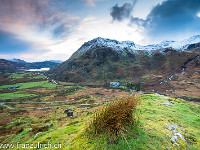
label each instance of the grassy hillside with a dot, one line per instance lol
(160, 122)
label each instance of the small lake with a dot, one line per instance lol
(41, 69)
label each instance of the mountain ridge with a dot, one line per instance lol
(131, 46)
(18, 60)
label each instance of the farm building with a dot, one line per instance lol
(115, 84)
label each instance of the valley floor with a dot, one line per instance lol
(33, 114)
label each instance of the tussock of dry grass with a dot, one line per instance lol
(115, 116)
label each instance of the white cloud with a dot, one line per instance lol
(87, 29)
(90, 28)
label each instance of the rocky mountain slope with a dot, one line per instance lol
(104, 60)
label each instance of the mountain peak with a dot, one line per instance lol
(100, 42)
(193, 39)
(98, 38)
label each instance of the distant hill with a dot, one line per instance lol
(18, 60)
(38, 65)
(56, 61)
(8, 66)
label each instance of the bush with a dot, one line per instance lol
(115, 116)
(19, 130)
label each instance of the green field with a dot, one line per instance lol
(26, 85)
(30, 85)
(39, 77)
(15, 95)
(17, 75)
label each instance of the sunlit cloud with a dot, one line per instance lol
(198, 14)
(92, 2)
(91, 27)
(33, 23)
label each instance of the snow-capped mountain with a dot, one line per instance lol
(185, 43)
(129, 45)
(103, 59)
(103, 42)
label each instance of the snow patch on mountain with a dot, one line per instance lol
(131, 46)
(182, 45)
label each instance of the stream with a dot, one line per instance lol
(183, 69)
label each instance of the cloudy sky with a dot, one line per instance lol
(37, 30)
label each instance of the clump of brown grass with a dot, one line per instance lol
(115, 116)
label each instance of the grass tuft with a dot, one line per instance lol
(113, 118)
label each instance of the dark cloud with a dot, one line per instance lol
(171, 18)
(176, 16)
(62, 27)
(137, 21)
(123, 12)
(120, 13)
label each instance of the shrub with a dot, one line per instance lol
(115, 116)
(19, 130)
